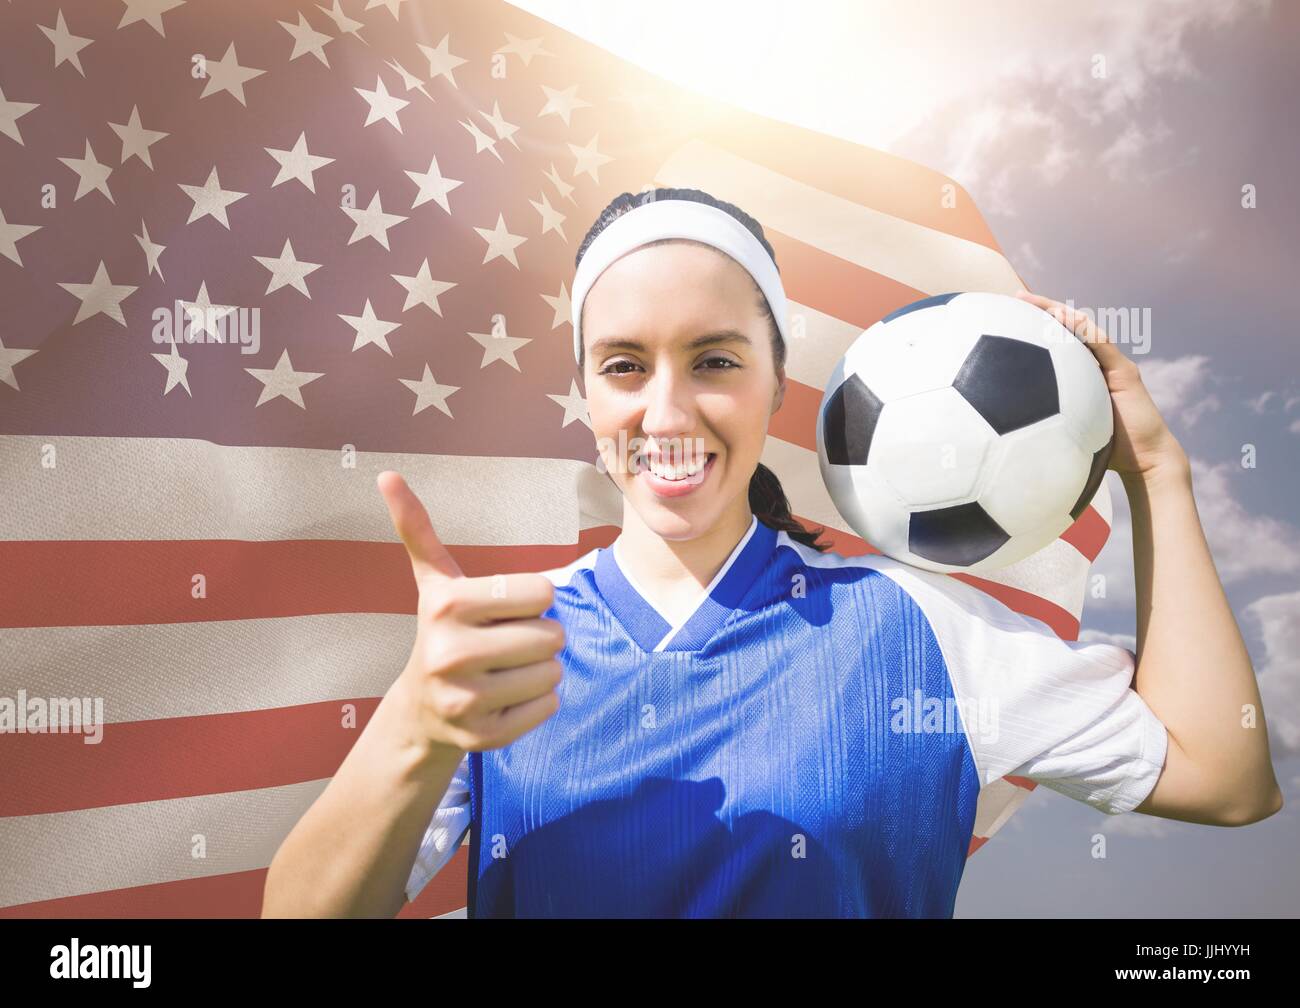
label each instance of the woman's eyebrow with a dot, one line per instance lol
(707, 339)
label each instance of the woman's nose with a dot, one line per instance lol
(669, 407)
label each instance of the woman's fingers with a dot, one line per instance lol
(1094, 338)
(429, 557)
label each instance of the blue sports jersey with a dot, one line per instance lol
(810, 742)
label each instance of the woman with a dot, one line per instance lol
(751, 725)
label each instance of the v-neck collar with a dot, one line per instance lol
(653, 630)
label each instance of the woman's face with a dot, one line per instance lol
(679, 369)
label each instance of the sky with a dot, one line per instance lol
(1108, 145)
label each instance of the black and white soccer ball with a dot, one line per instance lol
(964, 432)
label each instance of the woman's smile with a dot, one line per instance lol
(687, 479)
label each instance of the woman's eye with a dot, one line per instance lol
(621, 367)
(609, 368)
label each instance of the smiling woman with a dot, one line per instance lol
(712, 718)
(693, 398)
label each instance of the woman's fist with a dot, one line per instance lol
(483, 670)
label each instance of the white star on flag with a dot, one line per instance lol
(66, 45)
(152, 250)
(136, 140)
(429, 393)
(562, 103)
(504, 130)
(100, 296)
(210, 200)
(382, 105)
(12, 234)
(177, 369)
(499, 347)
(307, 39)
(500, 242)
(441, 61)
(149, 11)
(287, 270)
(10, 113)
(90, 174)
(423, 289)
(282, 380)
(297, 163)
(575, 407)
(204, 316)
(9, 356)
(344, 23)
(588, 159)
(372, 222)
(227, 75)
(432, 185)
(562, 306)
(551, 218)
(525, 49)
(411, 82)
(370, 329)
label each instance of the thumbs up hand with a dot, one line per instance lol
(483, 670)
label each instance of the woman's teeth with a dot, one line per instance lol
(679, 472)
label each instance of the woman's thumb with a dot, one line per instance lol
(429, 557)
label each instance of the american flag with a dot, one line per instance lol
(375, 204)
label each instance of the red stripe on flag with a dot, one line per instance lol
(1088, 534)
(835, 286)
(139, 761)
(120, 583)
(233, 895)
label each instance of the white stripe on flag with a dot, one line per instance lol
(180, 488)
(921, 257)
(170, 670)
(290, 493)
(60, 854)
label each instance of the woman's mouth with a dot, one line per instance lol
(676, 481)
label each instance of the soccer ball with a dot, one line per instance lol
(964, 432)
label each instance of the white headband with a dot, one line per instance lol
(675, 218)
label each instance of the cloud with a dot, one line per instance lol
(1178, 386)
(1126, 641)
(1026, 255)
(1187, 245)
(1243, 544)
(1115, 561)
(1136, 825)
(1277, 619)
(1260, 401)
(1073, 83)
(1129, 153)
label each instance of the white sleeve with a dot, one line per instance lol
(444, 833)
(1061, 713)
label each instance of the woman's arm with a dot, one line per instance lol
(1193, 669)
(482, 672)
(351, 853)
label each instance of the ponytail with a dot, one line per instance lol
(768, 502)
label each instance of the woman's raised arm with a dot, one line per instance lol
(1193, 669)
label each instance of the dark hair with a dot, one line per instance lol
(766, 496)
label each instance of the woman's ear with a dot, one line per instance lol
(780, 390)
